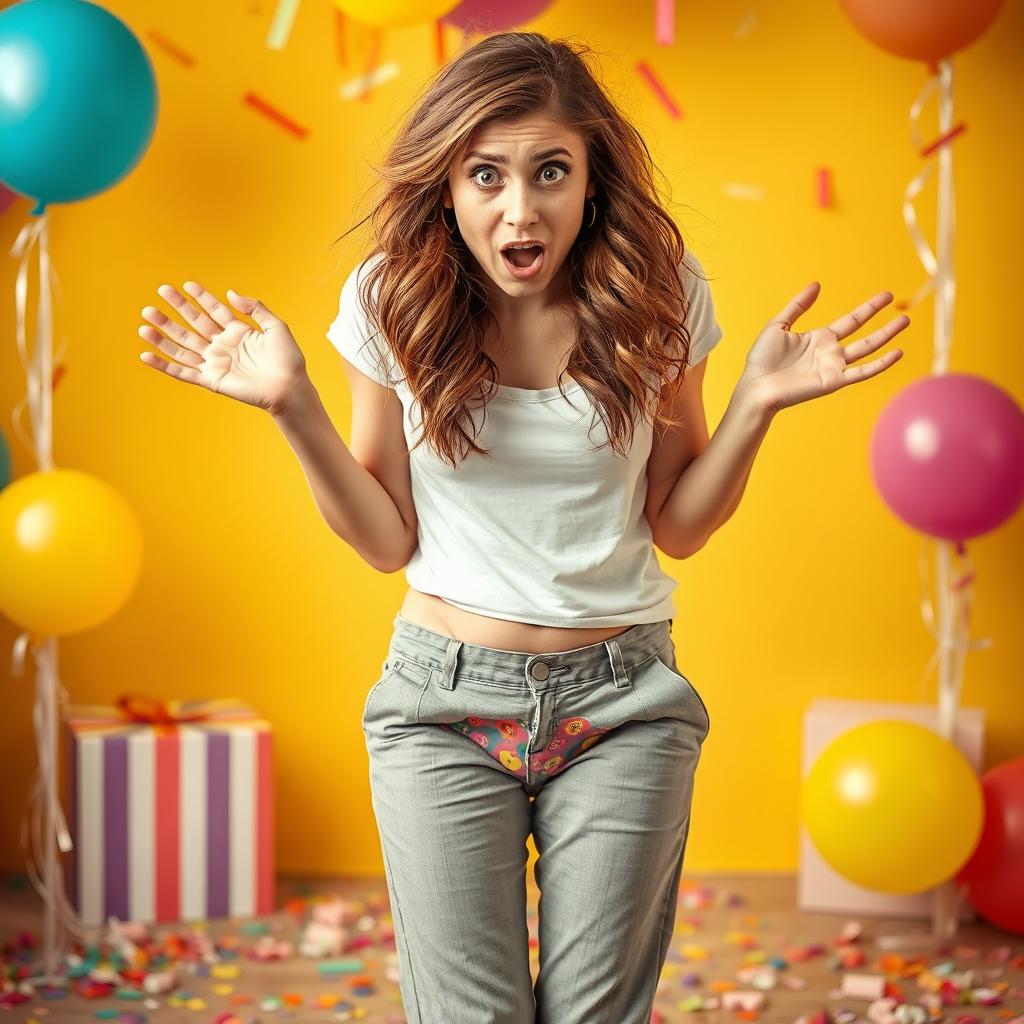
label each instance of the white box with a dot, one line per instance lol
(819, 887)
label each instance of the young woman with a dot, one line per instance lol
(503, 450)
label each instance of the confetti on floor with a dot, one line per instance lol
(329, 954)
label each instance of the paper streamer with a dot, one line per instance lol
(664, 22)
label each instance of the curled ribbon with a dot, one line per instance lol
(49, 831)
(952, 627)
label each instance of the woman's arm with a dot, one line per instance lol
(783, 368)
(709, 489)
(350, 498)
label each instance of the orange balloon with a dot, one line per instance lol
(70, 551)
(922, 29)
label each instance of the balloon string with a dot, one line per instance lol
(940, 271)
(953, 595)
(38, 370)
(43, 865)
(955, 636)
(44, 829)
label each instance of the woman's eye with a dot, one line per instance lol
(475, 175)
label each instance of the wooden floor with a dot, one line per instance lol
(722, 922)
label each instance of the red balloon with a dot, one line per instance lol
(922, 29)
(994, 874)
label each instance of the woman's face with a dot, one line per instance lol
(503, 190)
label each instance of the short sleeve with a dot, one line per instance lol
(354, 334)
(705, 331)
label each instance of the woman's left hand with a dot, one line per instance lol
(785, 367)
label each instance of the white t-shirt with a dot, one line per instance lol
(544, 530)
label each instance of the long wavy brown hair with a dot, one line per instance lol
(427, 297)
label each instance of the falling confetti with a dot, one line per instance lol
(180, 55)
(823, 177)
(665, 22)
(274, 115)
(657, 88)
(357, 88)
(281, 24)
(737, 190)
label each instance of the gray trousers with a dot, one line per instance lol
(593, 751)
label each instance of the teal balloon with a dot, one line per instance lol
(5, 462)
(78, 100)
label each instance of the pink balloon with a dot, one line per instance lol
(494, 15)
(947, 455)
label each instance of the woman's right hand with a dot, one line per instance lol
(222, 353)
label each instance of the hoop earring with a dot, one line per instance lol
(593, 213)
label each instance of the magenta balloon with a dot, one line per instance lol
(947, 455)
(494, 15)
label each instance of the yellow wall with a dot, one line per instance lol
(810, 590)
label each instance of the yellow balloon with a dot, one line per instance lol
(893, 806)
(70, 551)
(392, 13)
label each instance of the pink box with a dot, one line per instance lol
(819, 887)
(171, 820)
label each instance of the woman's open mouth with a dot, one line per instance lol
(523, 263)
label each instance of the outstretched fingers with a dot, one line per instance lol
(178, 350)
(855, 374)
(169, 336)
(185, 373)
(202, 325)
(221, 313)
(876, 339)
(846, 325)
(793, 310)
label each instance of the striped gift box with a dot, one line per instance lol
(171, 810)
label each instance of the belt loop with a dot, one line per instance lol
(451, 660)
(620, 678)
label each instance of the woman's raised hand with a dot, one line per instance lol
(220, 352)
(786, 366)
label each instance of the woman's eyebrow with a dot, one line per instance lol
(497, 158)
